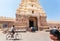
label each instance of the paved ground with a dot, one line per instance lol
(29, 36)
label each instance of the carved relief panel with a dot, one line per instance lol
(22, 20)
(43, 21)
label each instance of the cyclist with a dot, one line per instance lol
(12, 31)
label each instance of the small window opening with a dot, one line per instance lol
(32, 12)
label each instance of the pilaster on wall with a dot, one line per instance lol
(38, 22)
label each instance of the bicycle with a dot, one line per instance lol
(16, 36)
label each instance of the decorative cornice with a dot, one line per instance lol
(6, 19)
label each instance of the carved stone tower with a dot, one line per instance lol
(30, 14)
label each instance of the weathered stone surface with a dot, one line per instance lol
(35, 12)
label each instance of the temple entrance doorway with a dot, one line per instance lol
(33, 22)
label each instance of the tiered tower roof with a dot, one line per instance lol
(27, 6)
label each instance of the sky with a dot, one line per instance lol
(51, 7)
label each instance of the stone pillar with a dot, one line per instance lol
(38, 23)
(27, 25)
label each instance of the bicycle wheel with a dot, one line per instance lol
(8, 36)
(18, 36)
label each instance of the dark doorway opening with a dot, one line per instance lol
(31, 23)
